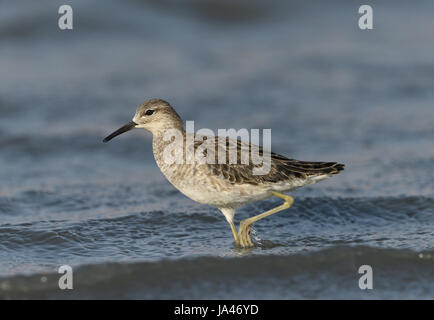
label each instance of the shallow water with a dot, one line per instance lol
(327, 90)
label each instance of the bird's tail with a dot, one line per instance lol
(318, 168)
(308, 168)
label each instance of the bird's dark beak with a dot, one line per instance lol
(129, 126)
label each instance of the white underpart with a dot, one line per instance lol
(229, 214)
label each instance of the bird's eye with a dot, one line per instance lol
(149, 112)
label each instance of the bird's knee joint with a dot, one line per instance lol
(289, 201)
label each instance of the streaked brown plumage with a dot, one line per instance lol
(282, 168)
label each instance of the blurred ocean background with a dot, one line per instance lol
(328, 90)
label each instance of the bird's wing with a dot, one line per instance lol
(242, 171)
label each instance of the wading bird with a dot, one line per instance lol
(227, 185)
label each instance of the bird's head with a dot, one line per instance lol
(154, 115)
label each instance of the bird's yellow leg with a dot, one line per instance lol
(244, 230)
(234, 232)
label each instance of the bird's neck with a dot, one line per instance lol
(166, 141)
(167, 131)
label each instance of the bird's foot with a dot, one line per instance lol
(244, 234)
